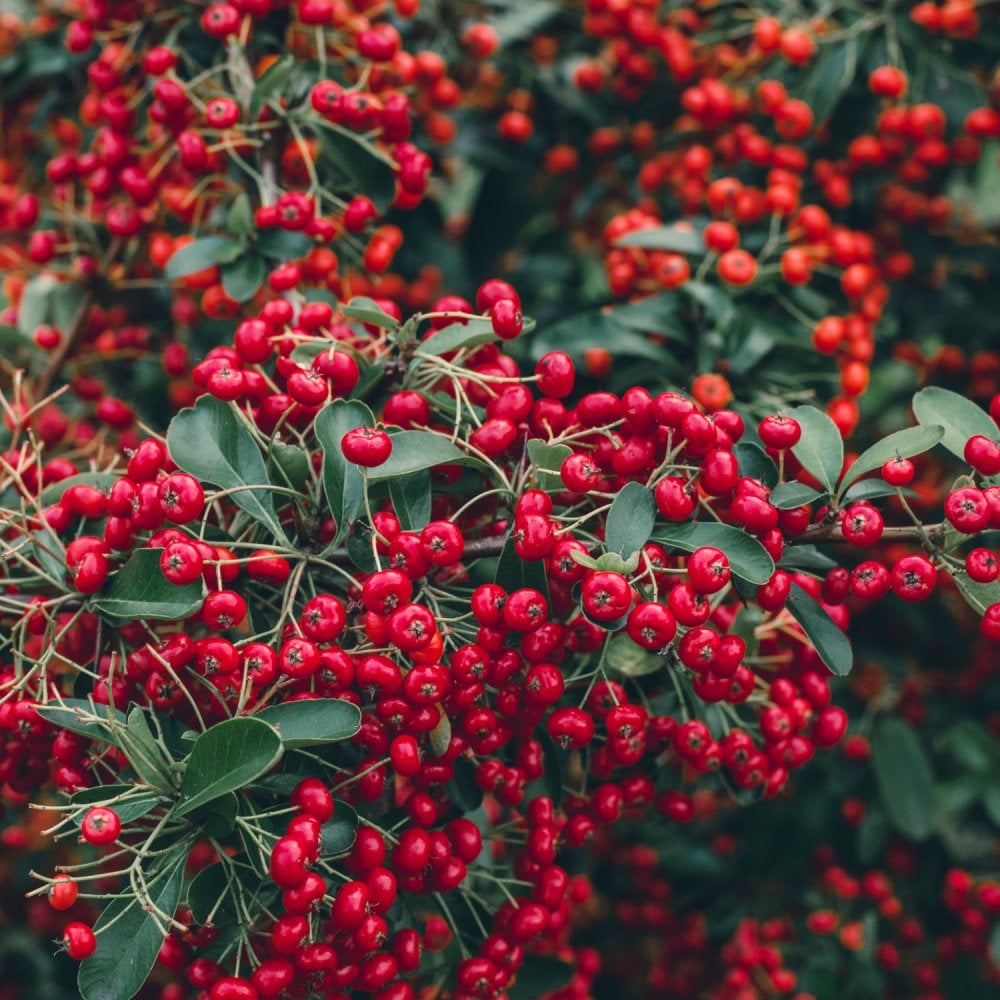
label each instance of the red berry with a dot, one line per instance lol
(100, 826)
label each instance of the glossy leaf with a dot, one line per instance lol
(630, 520)
(472, 333)
(979, 596)
(75, 714)
(960, 417)
(821, 448)
(196, 256)
(143, 752)
(243, 277)
(416, 450)
(787, 496)
(129, 938)
(748, 559)
(342, 482)
(128, 806)
(411, 499)
(756, 463)
(671, 238)
(367, 311)
(314, 721)
(904, 777)
(36, 299)
(629, 659)
(833, 647)
(225, 758)
(338, 834)
(209, 441)
(140, 591)
(283, 244)
(547, 460)
(539, 975)
(903, 444)
(209, 895)
(270, 84)
(358, 160)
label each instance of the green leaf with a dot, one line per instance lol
(139, 590)
(903, 444)
(995, 944)
(129, 938)
(629, 659)
(210, 894)
(630, 520)
(342, 482)
(143, 752)
(960, 417)
(522, 21)
(973, 746)
(64, 304)
(547, 460)
(292, 461)
(539, 975)
(242, 277)
(359, 161)
(979, 596)
(831, 76)
(99, 480)
(991, 803)
(513, 572)
(411, 499)
(416, 450)
(472, 333)
(270, 84)
(34, 307)
(872, 489)
(821, 448)
(121, 798)
(367, 311)
(755, 463)
(833, 647)
(787, 496)
(68, 714)
(226, 758)
(904, 777)
(210, 442)
(312, 721)
(664, 238)
(748, 559)
(196, 256)
(337, 835)
(283, 244)
(239, 221)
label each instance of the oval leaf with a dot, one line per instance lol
(748, 559)
(903, 444)
(630, 520)
(196, 256)
(833, 647)
(960, 417)
(411, 499)
(821, 448)
(416, 450)
(787, 496)
(357, 159)
(78, 716)
(904, 777)
(209, 441)
(139, 590)
(127, 949)
(367, 311)
(664, 238)
(225, 758)
(342, 482)
(471, 333)
(242, 277)
(313, 721)
(337, 835)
